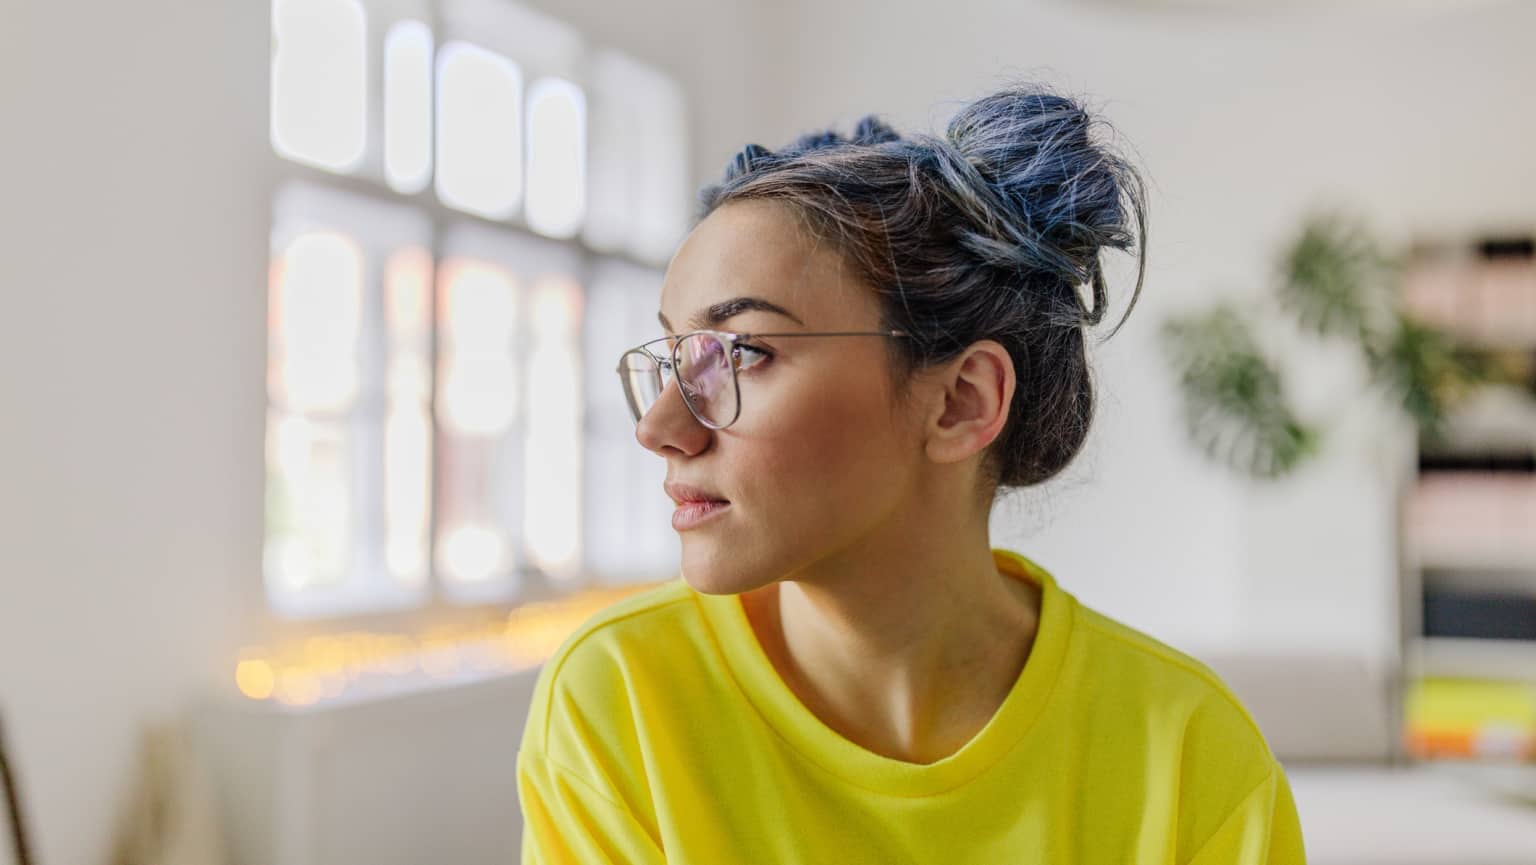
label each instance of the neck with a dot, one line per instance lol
(907, 644)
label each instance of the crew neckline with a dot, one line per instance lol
(805, 731)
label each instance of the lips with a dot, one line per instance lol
(684, 494)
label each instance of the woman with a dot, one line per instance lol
(868, 339)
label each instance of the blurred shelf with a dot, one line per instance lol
(1486, 301)
(1465, 657)
(1510, 581)
(1494, 561)
(1467, 519)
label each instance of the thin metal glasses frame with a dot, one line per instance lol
(730, 340)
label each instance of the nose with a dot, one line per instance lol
(669, 426)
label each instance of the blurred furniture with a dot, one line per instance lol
(1333, 721)
(168, 818)
(1316, 707)
(1468, 516)
(426, 773)
(15, 825)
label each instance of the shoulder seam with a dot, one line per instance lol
(1147, 650)
(634, 820)
(587, 631)
(1205, 675)
(574, 776)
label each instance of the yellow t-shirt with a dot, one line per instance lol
(660, 732)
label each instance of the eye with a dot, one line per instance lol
(749, 356)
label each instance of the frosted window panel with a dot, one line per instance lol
(408, 420)
(314, 315)
(552, 523)
(639, 196)
(480, 439)
(477, 378)
(627, 516)
(408, 106)
(349, 384)
(319, 86)
(479, 131)
(556, 157)
(309, 505)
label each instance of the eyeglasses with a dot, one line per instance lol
(705, 363)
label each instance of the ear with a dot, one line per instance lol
(977, 389)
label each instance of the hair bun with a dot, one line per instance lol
(988, 231)
(1040, 194)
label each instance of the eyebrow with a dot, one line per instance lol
(715, 313)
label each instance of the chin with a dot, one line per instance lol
(712, 571)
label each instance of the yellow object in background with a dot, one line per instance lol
(1471, 718)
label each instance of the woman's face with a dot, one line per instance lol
(821, 456)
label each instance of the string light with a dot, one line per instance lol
(329, 666)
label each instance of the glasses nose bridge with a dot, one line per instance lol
(664, 360)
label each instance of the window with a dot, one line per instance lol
(556, 157)
(408, 106)
(319, 82)
(479, 131)
(349, 459)
(470, 228)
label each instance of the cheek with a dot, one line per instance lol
(832, 447)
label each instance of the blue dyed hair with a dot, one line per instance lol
(986, 232)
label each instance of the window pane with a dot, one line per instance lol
(408, 106)
(408, 420)
(319, 82)
(556, 157)
(309, 504)
(313, 307)
(349, 432)
(553, 492)
(480, 442)
(479, 131)
(316, 296)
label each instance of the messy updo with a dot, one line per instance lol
(987, 232)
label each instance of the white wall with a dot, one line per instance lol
(1422, 122)
(133, 252)
(133, 233)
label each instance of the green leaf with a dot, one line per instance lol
(1335, 280)
(1234, 401)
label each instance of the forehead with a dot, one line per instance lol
(757, 248)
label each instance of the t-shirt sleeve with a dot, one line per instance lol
(1262, 830)
(567, 820)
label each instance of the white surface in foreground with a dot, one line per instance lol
(1423, 815)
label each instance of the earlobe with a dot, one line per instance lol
(976, 390)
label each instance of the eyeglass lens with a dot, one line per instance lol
(705, 379)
